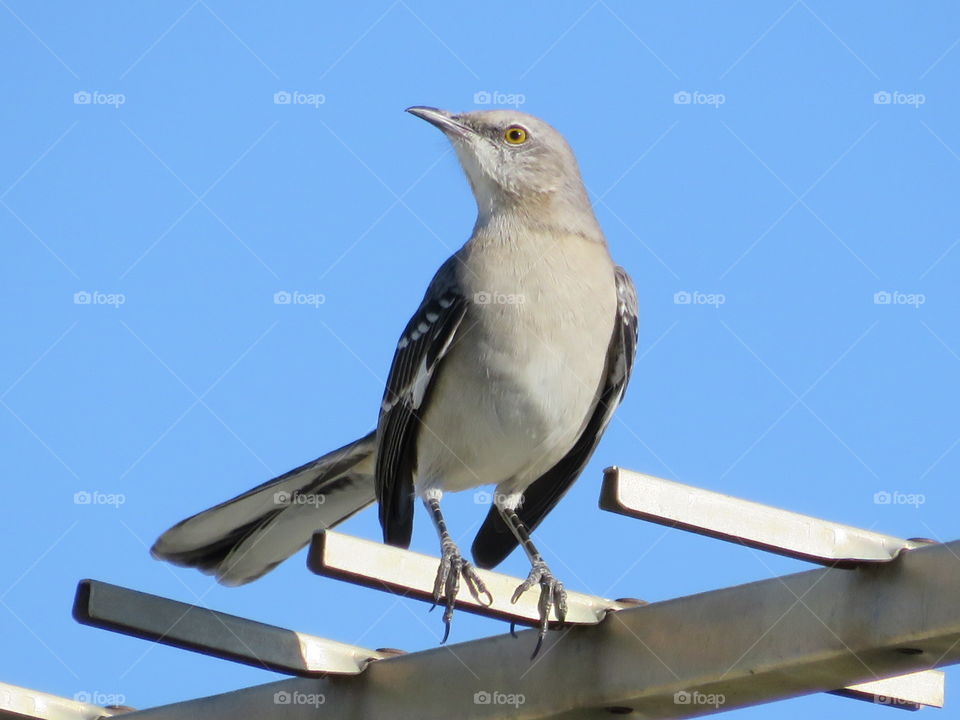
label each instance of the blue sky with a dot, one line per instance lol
(792, 168)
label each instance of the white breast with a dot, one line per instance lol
(517, 387)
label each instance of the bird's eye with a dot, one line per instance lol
(515, 135)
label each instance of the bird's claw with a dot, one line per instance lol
(553, 596)
(475, 585)
(447, 585)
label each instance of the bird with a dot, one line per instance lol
(507, 374)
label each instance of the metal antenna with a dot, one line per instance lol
(871, 624)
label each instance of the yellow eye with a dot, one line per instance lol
(515, 135)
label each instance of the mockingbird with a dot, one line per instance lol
(507, 374)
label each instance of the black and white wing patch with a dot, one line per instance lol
(494, 540)
(422, 347)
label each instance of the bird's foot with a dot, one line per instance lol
(447, 585)
(552, 596)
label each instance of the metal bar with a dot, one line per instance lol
(215, 633)
(18, 702)
(775, 530)
(748, 523)
(411, 574)
(906, 692)
(690, 656)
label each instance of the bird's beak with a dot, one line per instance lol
(441, 119)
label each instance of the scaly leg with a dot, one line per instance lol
(552, 593)
(452, 567)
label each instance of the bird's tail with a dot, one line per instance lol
(246, 537)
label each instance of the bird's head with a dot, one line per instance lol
(513, 161)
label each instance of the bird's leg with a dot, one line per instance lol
(552, 593)
(452, 567)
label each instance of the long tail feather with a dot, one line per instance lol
(243, 538)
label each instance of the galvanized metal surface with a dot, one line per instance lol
(214, 633)
(225, 636)
(687, 657)
(411, 574)
(741, 521)
(18, 702)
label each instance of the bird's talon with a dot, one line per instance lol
(447, 585)
(553, 598)
(476, 586)
(536, 650)
(524, 586)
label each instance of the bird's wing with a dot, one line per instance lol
(423, 345)
(494, 540)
